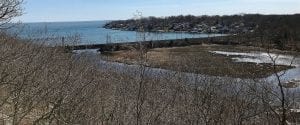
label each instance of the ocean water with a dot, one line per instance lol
(91, 32)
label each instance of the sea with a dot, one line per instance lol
(92, 32)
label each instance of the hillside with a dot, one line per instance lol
(211, 24)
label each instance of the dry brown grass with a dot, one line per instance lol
(198, 59)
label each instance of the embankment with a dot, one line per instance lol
(245, 40)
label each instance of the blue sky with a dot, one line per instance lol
(83, 10)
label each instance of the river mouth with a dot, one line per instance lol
(262, 57)
(201, 59)
(288, 65)
(290, 77)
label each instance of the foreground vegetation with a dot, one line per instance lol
(42, 85)
(47, 85)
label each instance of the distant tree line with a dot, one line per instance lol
(277, 29)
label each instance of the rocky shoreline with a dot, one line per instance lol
(190, 24)
(246, 40)
(186, 28)
(155, 44)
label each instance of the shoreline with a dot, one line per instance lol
(242, 39)
(155, 44)
(199, 59)
(161, 31)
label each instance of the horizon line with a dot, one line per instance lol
(92, 20)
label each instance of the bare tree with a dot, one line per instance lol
(8, 10)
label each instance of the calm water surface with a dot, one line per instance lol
(91, 32)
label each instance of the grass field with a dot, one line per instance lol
(199, 59)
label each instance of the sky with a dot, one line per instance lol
(88, 10)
